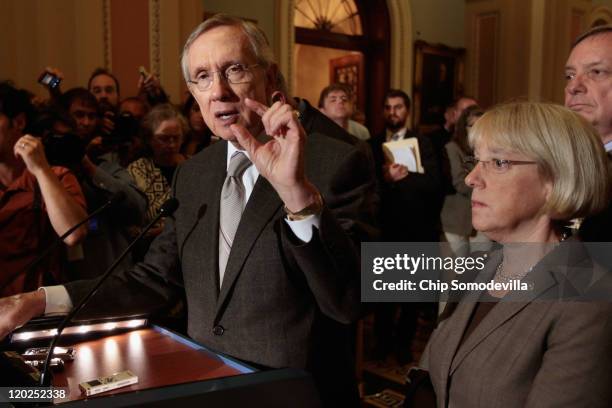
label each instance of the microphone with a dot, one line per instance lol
(114, 199)
(166, 210)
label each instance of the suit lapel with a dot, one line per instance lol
(458, 321)
(212, 176)
(261, 207)
(543, 278)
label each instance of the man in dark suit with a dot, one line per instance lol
(588, 92)
(410, 200)
(277, 282)
(410, 212)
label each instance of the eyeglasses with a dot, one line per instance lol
(495, 165)
(234, 74)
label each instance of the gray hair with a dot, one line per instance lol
(257, 38)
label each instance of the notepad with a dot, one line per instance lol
(405, 152)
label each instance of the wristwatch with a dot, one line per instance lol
(312, 209)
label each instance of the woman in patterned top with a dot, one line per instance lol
(164, 129)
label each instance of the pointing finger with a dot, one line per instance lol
(258, 107)
(245, 138)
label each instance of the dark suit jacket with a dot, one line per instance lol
(283, 302)
(314, 121)
(530, 353)
(410, 209)
(598, 228)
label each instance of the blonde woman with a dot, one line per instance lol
(537, 166)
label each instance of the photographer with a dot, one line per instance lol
(100, 178)
(37, 201)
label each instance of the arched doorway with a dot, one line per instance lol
(599, 16)
(344, 41)
(399, 71)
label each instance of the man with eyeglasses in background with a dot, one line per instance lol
(278, 285)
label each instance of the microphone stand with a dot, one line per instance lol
(115, 198)
(166, 209)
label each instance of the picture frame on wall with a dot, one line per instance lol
(349, 70)
(438, 80)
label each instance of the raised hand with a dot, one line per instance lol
(32, 152)
(280, 160)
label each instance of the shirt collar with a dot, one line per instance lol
(402, 132)
(231, 149)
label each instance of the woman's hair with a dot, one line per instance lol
(460, 135)
(566, 148)
(157, 115)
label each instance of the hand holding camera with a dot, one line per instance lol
(150, 87)
(51, 78)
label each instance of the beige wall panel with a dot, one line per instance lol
(56, 38)
(475, 14)
(513, 80)
(439, 21)
(66, 34)
(27, 46)
(130, 42)
(564, 19)
(169, 42)
(485, 58)
(512, 48)
(536, 49)
(89, 38)
(191, 13)
(8, 45)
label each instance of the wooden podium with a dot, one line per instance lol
(174, 370)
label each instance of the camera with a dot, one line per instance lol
(63, 149)
(126, 127)
(49, 80)
(62, 146)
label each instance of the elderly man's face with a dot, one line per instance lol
(588, 72)
(223, 103)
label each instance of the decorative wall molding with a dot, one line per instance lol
(400, 14)
(485, 68)
(106, 23)
(154, 37)
(599, 15)
(284, 43)
(402, 45)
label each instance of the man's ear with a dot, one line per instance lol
(19, 122)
